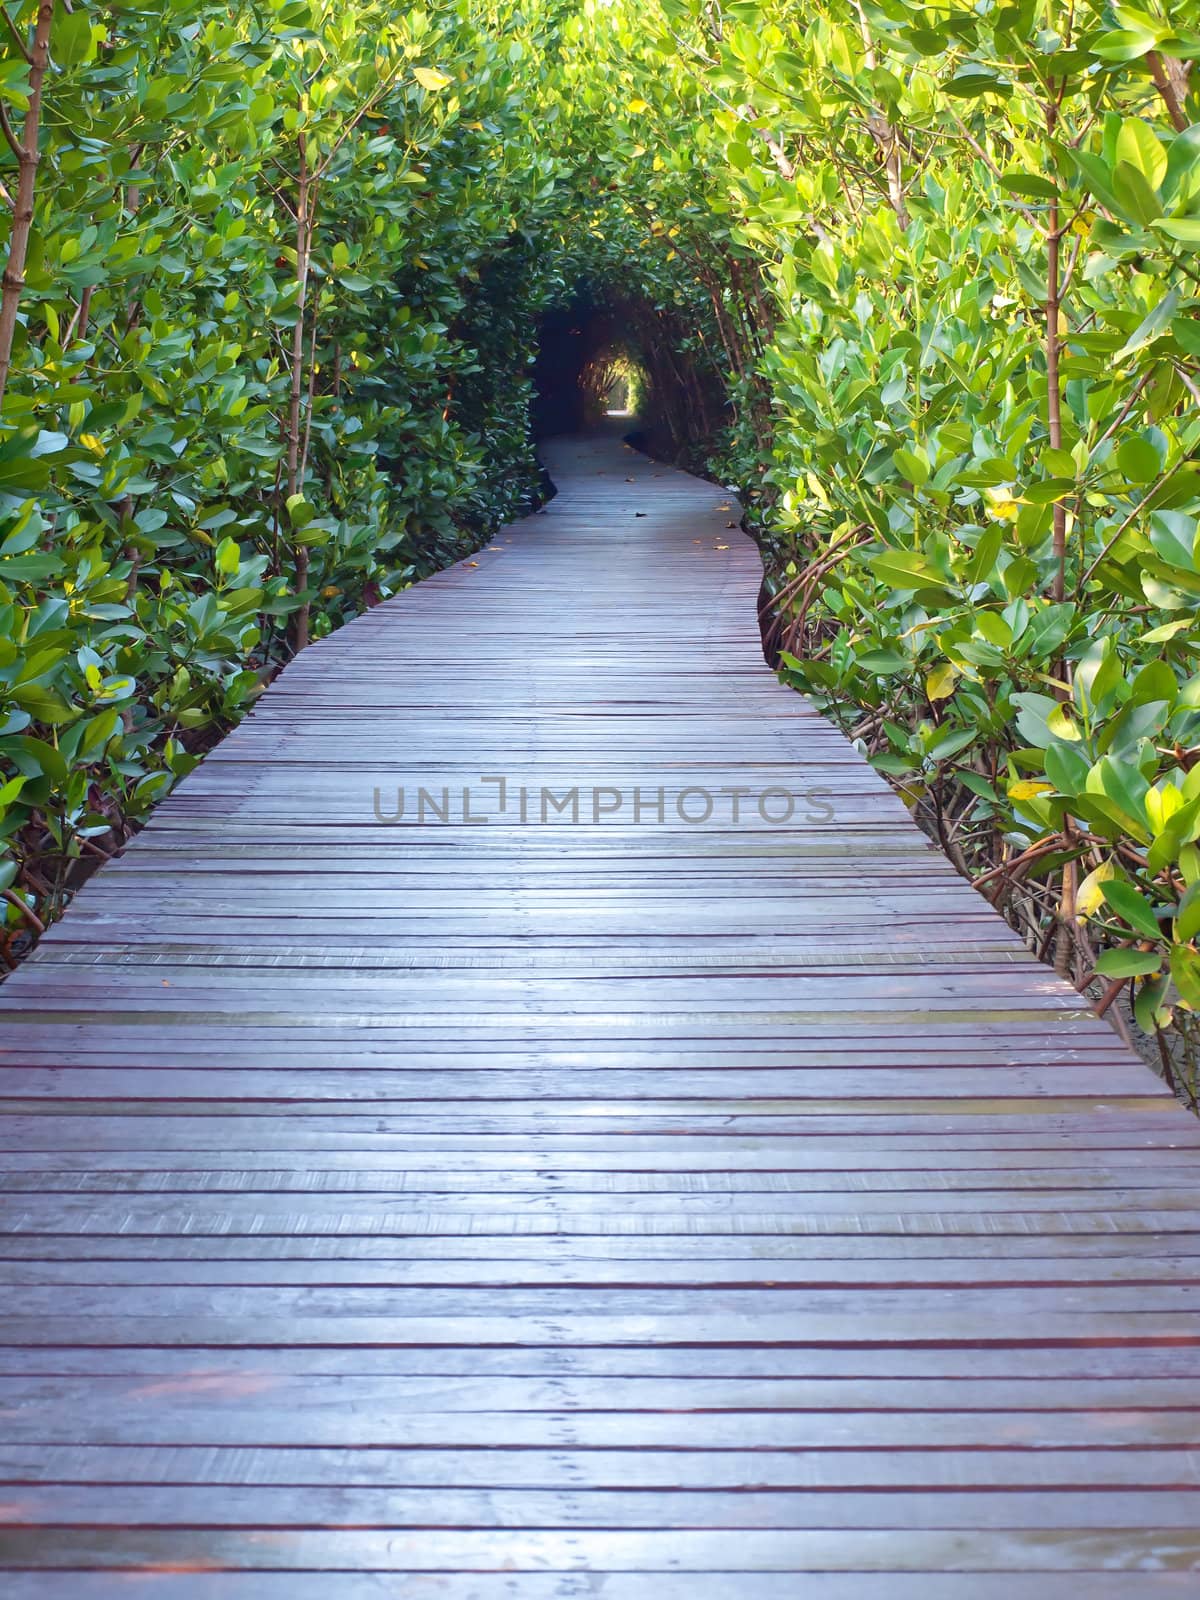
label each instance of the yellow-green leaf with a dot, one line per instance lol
(1061, 725)
(939, 684)
(1028, 789)
(430, 78)
(1089, 896)
(1138, 144)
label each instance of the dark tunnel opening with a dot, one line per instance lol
(601, 356)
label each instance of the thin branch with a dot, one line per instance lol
(16, 33)
(30, 915)
(10, 137)
(1163, 76)
(1129, 520)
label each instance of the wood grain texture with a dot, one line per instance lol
(604, 1198)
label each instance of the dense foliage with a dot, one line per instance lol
(270, 307)
(268, 364)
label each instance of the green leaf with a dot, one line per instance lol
(228, 556)
(952, 743)
(35, 758)
(1133, 194)
(1128, 964)
(14, 82)
(896, 766)
(903, 569)
(1187, 918)
(43, 704)
(1044, 494)
(1148, 1009)
(72, 42)
(913, 465)
(1152, 326)
(1133, 908)
(300, 512)
(971, 80)
(1168, 630)
(1125, 786)
(1185, 969)
(1123, 44)
(1155, 681)
(1067, 769)
(1033, 713)
(22, 539)
(1139, 146)
(1029, 186)
(1139, 460)
(883, 662)
(1059, 463)
(1183, 165)
(1184, 230)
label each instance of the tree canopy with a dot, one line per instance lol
(274, 275)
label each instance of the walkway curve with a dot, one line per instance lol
(577, 1206)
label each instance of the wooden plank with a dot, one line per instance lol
(1153, 1305)
(637, 1202)
(567, 1467)
(710, 1275)
(866, 1549)
(223, 1584)
(679, 1508)
(166, 1418)
(1055, 1362)
(253, 1391)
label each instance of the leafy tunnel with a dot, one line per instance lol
(292, 289)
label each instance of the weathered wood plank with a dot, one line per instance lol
(600, 1197)
(224, 1584)
(865, 1549)
(559, 1467)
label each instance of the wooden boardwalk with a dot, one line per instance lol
(577, 1207)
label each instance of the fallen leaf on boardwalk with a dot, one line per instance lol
(472, 563)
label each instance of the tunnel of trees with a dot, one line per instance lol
(921, 282)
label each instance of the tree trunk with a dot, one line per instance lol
(885, 135)
(304, 232)
(1054, 382)
(28, 155)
